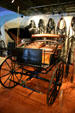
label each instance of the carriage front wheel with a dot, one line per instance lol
(8, 76)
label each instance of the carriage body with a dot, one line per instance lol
(34, 62)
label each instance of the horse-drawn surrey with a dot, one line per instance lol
(39, 60)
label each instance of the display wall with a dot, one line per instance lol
(24, 21)
(56, 18)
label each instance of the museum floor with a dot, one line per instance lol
(21, 100)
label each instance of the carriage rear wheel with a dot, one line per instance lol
(8, 76)
(55, 83)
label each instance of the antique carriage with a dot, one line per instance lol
(37, 62)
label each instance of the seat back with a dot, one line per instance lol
(32, 56)
(29, 56)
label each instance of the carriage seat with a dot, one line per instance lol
(31, 56)
(27, 56)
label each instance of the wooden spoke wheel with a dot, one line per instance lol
(55, 83)
(9, 73)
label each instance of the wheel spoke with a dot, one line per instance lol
(8, 64)
(18, 67)
(10, 81)
(6, 79)
(5, 75)
(16, 77)
(4, 69)
(13, 79)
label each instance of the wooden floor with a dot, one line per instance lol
(22, 100)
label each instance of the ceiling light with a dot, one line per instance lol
(12, 1)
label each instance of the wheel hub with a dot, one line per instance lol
(12, 71)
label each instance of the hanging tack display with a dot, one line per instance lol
(73, 24)
(61, 27)
(50, 26)
(32, 27)
(41, 26)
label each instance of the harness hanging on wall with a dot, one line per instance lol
(73, 24)
(50, 26)
(32, 27)
(32, 24)
(61, 27)
(41, 26)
